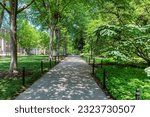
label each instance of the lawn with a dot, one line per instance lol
(123, 77)
(10, 86)
(122, 82)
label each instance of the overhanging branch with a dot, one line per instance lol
(37, 7)
(44, 4)
(24, 7)
(4, 7)
(65, 6)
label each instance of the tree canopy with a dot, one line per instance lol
(120, 29)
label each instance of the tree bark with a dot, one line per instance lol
(2, 14)
(65, 47)
(51, 29)
(57, 32)
(13, 11)
(91, 48)
(140, 53)
(146, 59)
(13, 35)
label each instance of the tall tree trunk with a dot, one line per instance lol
(13, 35)
(91, 49)
(13, 11)
(2, 14)
(65, 45)
(51, 29)
(57, 32)
(65, 49)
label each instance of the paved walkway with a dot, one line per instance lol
(69, 80)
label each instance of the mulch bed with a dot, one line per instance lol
(17, 74)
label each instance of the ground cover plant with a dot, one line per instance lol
(123, 78)
(122, 82)
(11, 84)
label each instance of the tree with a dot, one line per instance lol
(28, 36)
(45, 12)
(43, 41)
(13, 11)
(126, 41)
(75, 20)
(142, 11)
(52, 12)
(2, 13)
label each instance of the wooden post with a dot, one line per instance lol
(89, 60)
(42, 67)
(23, 76)
(93, 66)
(104, 79)
(137, 94)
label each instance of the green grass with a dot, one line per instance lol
(11, 86)
(124, 77)
(122, 82)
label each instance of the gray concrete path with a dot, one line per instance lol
(69, 80)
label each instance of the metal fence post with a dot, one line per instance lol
(42, 67)
(23, 76)
(50, 63)
(104, 79)
(101, 64)
(93, 66)
(55, 60)
(137, 94)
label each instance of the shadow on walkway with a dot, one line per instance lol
(69, 80)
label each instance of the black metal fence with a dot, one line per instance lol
(45, 65)
(104, 81)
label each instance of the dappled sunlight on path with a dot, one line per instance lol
(69, 80)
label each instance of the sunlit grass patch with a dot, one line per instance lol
(10, 86)
(122, 82)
